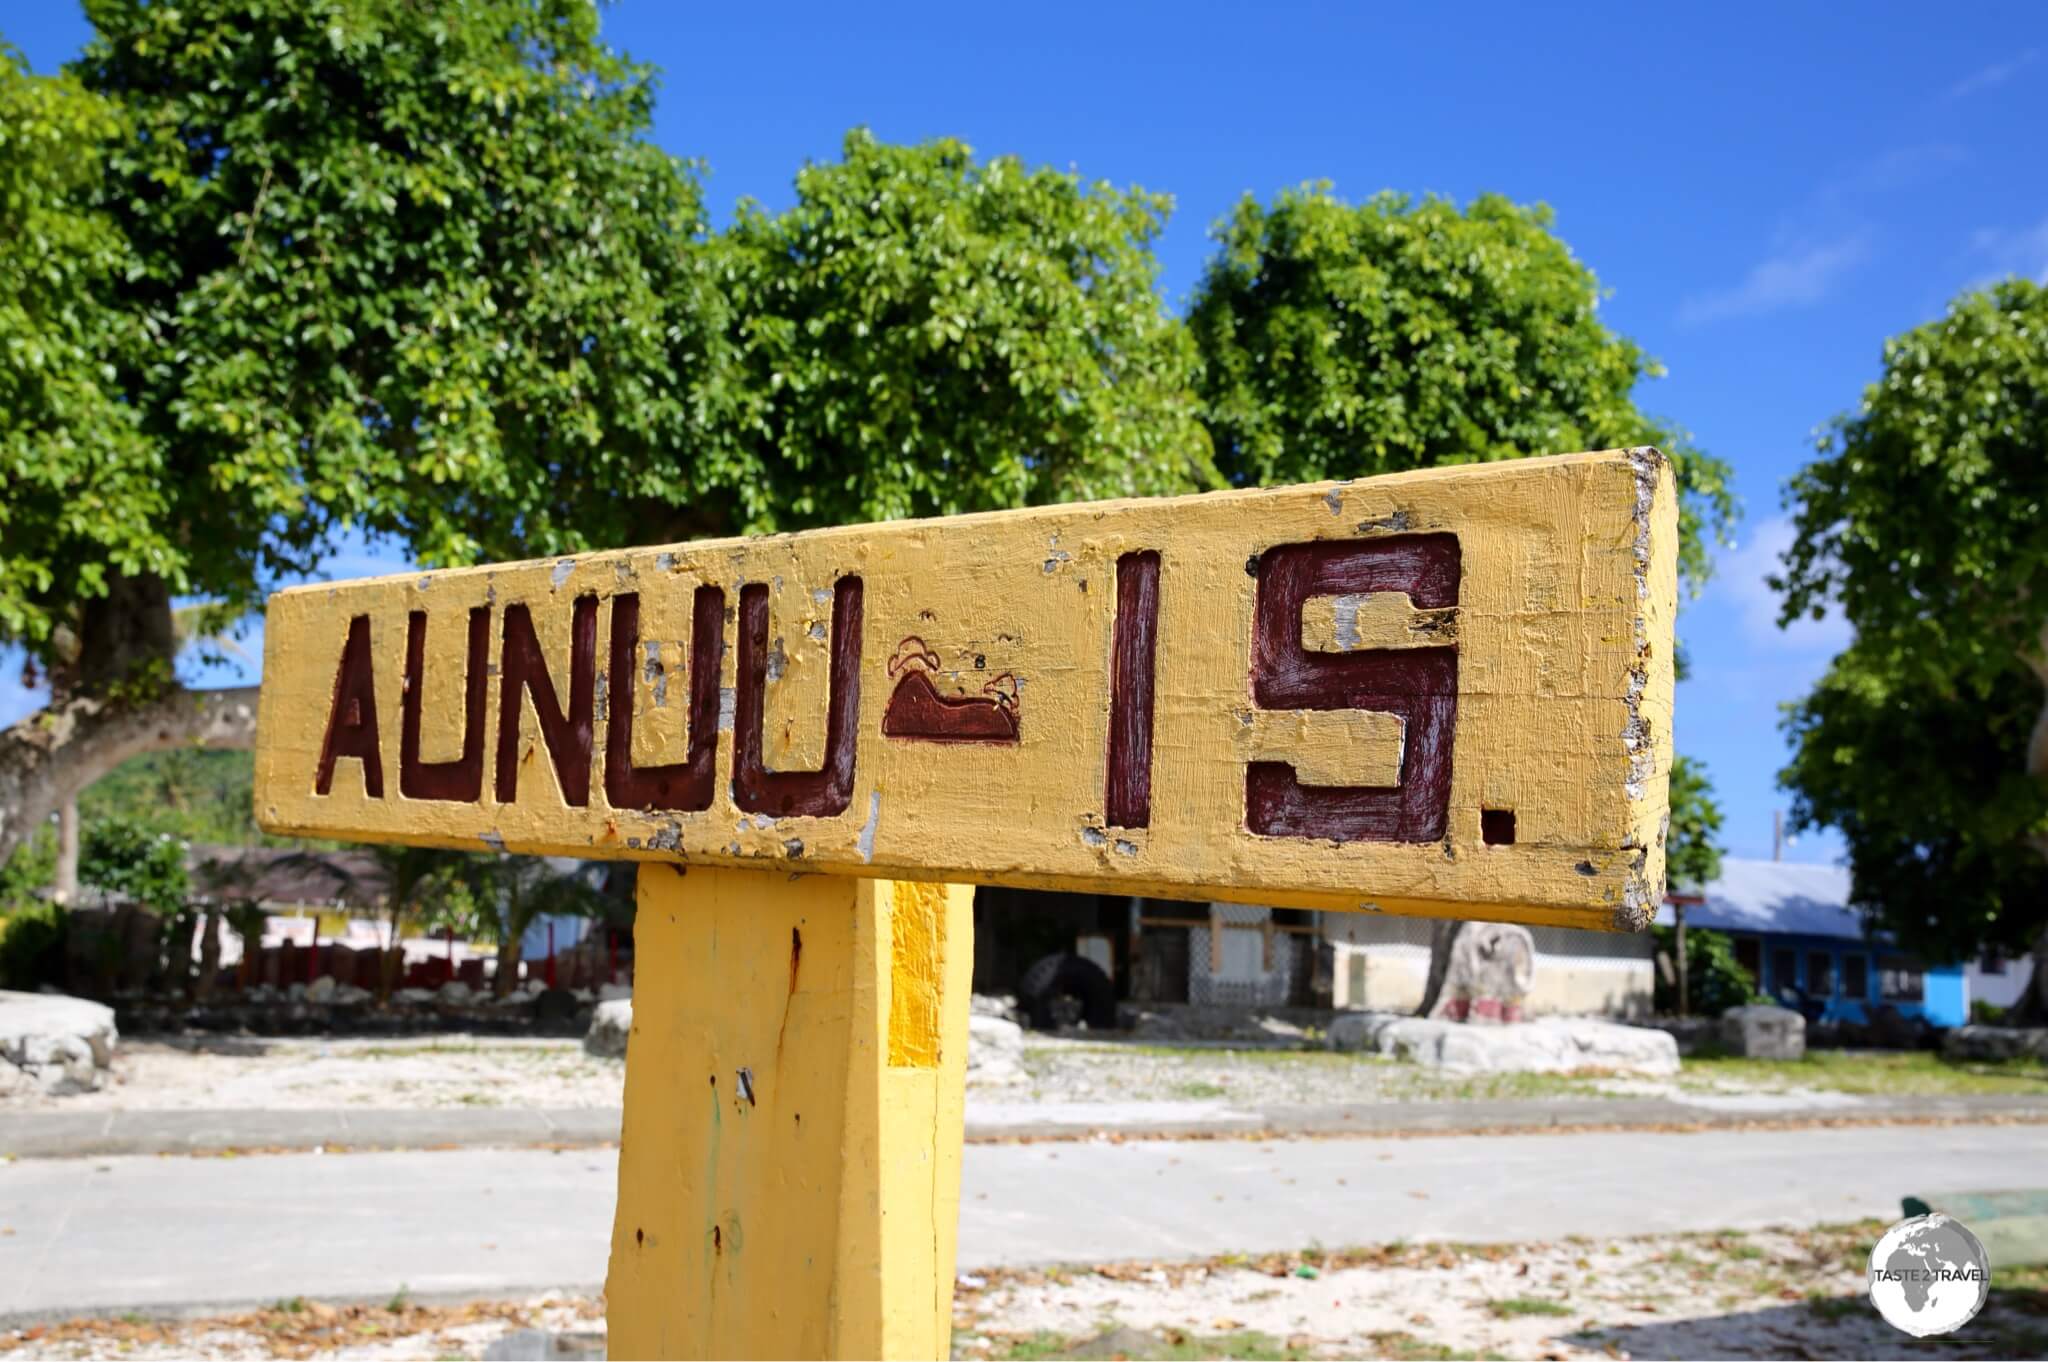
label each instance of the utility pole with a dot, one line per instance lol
(1777, 834)
(1684, 986)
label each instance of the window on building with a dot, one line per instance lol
(1784, 969)
(1898, 979)
(1820, 974)
(1749, 953)
(1992, 963)
(1855, 976)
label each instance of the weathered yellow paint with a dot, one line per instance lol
(816, 1219)
(917, 928)
(1562, 629)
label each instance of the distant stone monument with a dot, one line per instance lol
(1491, 967)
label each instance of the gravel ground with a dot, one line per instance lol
(1245, 1058)
(1761, 1295)
(459, 1070)
(245, 1073)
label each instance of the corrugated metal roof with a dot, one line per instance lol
(1776, 896)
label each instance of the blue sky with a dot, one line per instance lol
(1768, 192)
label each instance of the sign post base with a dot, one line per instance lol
(789, 1170)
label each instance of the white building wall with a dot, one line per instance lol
(1382, 964)
(2002, 989)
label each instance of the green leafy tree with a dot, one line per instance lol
(1714, 979)
(414, 882)
(123, 861)
(1924, 521)
(29, 872)
(344, 263)
(31, 929)
(147, 869)
(84, 494)
(1343, 341)
(1346, 341)
(189, 793)
(922, 333)
(508, 894)
(1692, 855)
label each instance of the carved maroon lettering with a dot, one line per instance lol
(352, 716)
(566, 734)
(1418, 684)
(1128, 796)
(461, 780)
(918, 710)
(685, 786)
(827, 791)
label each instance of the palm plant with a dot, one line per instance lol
(516, 891)
(414, 878)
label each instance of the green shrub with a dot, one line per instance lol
(1716, 981)
(32, 947)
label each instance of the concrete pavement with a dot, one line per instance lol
(157, 1233)
(60, 1134)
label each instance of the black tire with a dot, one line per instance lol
(1067, 976)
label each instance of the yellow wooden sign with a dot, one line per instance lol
(1443, 692)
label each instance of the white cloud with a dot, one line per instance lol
(1739, 575)
(2014, 250)
(1994, 75)
(1796, 278)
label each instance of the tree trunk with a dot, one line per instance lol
(117, 699)
(1442, 936)
(64, 888)
(392, 960)
(2037, 767)
(47, 758)
(178, 953)
(508, 962)
(209, 955)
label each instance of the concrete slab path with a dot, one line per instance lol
(121, 1233)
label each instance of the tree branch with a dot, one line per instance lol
(55, 753)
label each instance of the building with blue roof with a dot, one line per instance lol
(1795, 932)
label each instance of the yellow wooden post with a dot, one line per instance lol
(1444, 693)
(789, 1175)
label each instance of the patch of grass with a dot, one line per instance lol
(296, 1305)
(1909, 1072)
(1507, 1086)
(1199, 1088)
(1247, 1344)
(1834, 1308)
(400, 1298)
(1401, 1346)
(1526, 1305)
(1165, 1345)
(1028, 1347)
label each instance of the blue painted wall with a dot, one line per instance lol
(1819, 967)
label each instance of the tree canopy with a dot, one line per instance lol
(1343, 341)
(85, 491)
(922, 333)
(294, 268)
(1692, 856)
(1924, 521)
